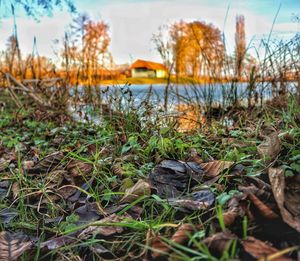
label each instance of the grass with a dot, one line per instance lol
(120, 153)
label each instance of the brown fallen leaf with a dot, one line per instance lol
(28, 164)
(259, 249)
(67, 191)
(47, 164)
(214, 168)
(117, 169)
(55, 178)
(219, 242)
(282, 191)
(92, 149)
(183, 233)
(235, 210)
(4, 164)
(270, 147)
(264, 210)
(99, 227)
(181, 236)
(160, 248)
(15, 188)
(141, 188)
(229, 217)
(12, 246)
(79, 168)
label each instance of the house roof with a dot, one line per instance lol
(147, 64)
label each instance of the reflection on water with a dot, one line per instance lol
(189, 117)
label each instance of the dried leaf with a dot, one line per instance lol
(87, 213)
(270, 147)
(102, 251)
(219, 242)
(160, 248)
(47, 164)
(259, 249)
(117, 170)
(96, 228)
(2, 149)
(15, 190)
(173, 165)
(84, 187)
(214, 168)
(235, 209)
(183, 233)
(99, 228)
(67, 191)
(13, 246)
(259, 184)
(141, 188)
(264, 210)
(7, 215)
(282, 191)
(55, 178)
(229, 217)
(181, 236)
(170, 178)
(4, 164)
(79, 168)
(92, 149)
(194, 156)
(4, 187)
(60, 241)
(198, 201)
(28, 164)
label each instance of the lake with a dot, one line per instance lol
(203, 93)
(120, 96)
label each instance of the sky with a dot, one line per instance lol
(133, 22)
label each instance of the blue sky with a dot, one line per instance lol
(132, 22)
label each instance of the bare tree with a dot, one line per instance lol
(12, 55)
(163, 45)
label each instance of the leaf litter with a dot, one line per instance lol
(213, 203)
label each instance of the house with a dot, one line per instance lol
(147, 69)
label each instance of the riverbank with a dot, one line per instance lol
(173, 80)
(149, 81)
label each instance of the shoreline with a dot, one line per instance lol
(172, 80)
(147, 81)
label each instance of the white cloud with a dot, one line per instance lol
(45, 32)
(132, 25)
